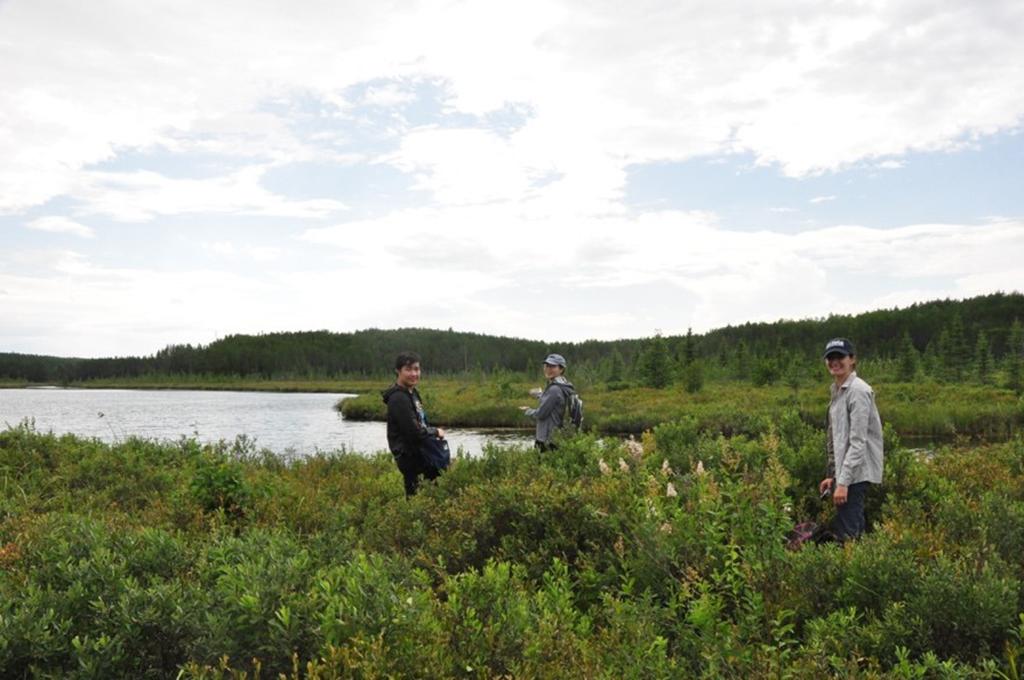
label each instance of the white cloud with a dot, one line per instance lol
(61, 225)
(221, 248)
(808, 86)
(686, 260)
(229, 251)
(605, 278)
(463, 166)
(143, 195)
(387, 96)
(822, 199)
(944, 251)
(111, 109)
(263, 253)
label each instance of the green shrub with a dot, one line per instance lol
(87, 599)
(218, 484)
(605, 558)
(967, 607)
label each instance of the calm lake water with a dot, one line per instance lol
(286, 423)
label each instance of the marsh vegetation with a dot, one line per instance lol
(658, 558)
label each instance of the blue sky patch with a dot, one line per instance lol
(967, 185)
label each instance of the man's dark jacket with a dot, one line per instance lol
(406, 431)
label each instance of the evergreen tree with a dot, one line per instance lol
(766, 371)
(795, 373)
(693, 376)
(954, 351)
(1014, 359)
(983, 359)
(654, 365)
(689, 348)
(741, 361)
(930, 359)
(615, 369)
(909, 360)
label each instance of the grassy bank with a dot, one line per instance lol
(913, 409)
(605, 559)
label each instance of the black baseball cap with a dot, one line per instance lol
(838, 346)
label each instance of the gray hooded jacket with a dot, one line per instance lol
(550, 413)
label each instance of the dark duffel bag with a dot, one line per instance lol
(436, 453)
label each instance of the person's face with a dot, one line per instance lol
(839, 365)
(409, 375)
(552, 370)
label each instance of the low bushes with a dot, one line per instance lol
(656, 558)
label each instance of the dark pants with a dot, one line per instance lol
(542, 446)
(411, 467)
(850, 515)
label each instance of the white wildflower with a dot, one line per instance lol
(623, 465)
(666, 470)
(670, 490)
(700, 467)
(603, 467)
(634, 448)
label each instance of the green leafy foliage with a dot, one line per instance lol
(219, 484)
(657, 557)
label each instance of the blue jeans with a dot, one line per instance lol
(850, 515)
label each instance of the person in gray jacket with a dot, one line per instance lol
(854, 440)
(550, 412)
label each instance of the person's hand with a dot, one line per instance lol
(440, 433)
(825, 485)
(839, 497)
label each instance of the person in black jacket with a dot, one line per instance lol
(407, 422)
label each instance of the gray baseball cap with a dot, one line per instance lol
(555, 360)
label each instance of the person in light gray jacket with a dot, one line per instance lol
(854, 440)
(550, 412)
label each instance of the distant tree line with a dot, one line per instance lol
(979, 339)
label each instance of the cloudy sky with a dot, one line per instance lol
(177, 171)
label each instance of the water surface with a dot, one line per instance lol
(294, 424)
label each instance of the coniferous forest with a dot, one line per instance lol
(956, 341)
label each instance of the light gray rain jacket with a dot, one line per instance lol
(550, 413)
(854, 434)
